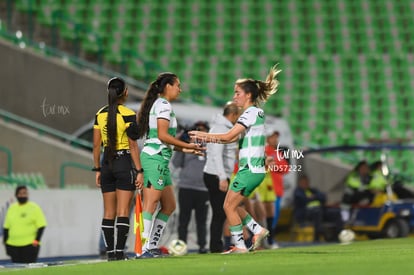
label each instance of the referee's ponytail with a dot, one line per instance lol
(116, 91)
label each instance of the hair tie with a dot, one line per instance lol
(121, 94)
(156, 84)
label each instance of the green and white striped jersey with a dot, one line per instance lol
(252, 143)
(161, 109)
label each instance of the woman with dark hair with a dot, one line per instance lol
(121, 172)
(157, 123)
(23, 228)
(248, 94)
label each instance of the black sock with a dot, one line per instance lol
(122, 229)
(269, 223)
(108, 230)
(227, 242)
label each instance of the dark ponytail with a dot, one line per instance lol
(156, 87)
(116, 89)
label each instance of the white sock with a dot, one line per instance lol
(237, 235)
(254, 226)
(156, 233)
(147, 219)
(147, 228)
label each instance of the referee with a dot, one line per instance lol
(121, 172)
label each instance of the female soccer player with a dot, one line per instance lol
(157, 122)
(117, 177)
(248, 94)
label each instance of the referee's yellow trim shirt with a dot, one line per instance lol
(124, 118)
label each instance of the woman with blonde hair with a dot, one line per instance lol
(248, 94)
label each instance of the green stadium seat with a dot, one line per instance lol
(345, 63)
(69, 29)
(136, 68)
(92, 43)
(48, 12)
(25, 5)
(101, 4)
(75, 11)
(125, 7)
(121, 28)
(116, 50)
(97, 26)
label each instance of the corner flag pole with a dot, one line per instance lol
(138, 224)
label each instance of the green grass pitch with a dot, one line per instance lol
(363, 257)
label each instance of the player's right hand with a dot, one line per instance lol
(223, 185)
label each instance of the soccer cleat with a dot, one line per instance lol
(274, 246)
(202, 250)
(145, 255)
(120, 256)
(258, 238)
(111, 256)
(235, 250)
(152, 253)
(156, 252)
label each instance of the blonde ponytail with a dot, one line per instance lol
(271, 80)
(261, 90)
(268, 87)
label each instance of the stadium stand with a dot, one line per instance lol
(347, 64)
(32, 180)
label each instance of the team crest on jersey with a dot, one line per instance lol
(260, 114)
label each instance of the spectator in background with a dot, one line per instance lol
(378, 182)
(308, 206)
(192, 193)
(23, 228)
(356, 189)
(378, 185)
(217, 172)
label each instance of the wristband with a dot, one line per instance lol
(96, 169)
(139, 170)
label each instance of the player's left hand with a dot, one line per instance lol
(195, 148)
(139, 181)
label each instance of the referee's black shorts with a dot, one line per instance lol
(120, 176)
